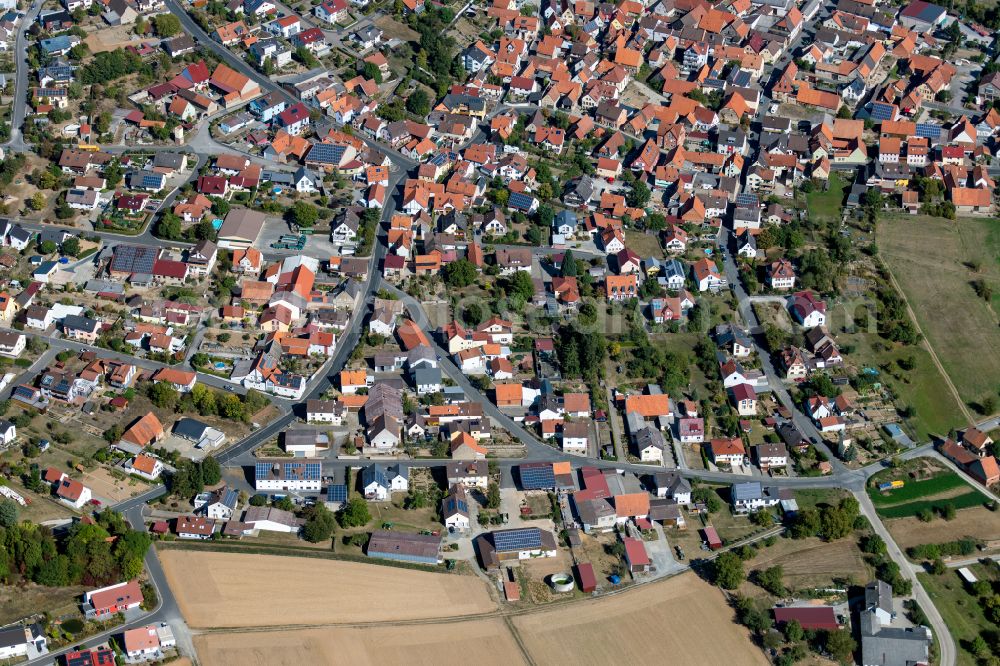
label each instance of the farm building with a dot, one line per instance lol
(402, 547)
(512, 546)
(810, 617)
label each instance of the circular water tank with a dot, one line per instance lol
(561, 582)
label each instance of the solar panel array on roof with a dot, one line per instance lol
(518, 539)
(292, 471)
(336, 493)
(152, 180)
(537, 477)
(929, 130)
(747, 199)
(134, 259)
(327, 153)
(882, 111)
(520, 201)
(24, 392)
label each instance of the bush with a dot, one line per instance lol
(728, 571)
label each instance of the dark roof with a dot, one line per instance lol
(402, 545)
(810, 617)
(134, 259)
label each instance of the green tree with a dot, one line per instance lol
(493, 495)
(163, 395)
(460, 273)
(71, 246)
(708, 497)
(418, 103)
(355, 514)
(569, 265)
(371, 71)
(771, 579)
(303, 214)
(48, 247)
(793, 631)
(167, 25)
(8, 512)
(728, 571)
(319, 524)
(211, 472)
(840, 644)
(639, 195)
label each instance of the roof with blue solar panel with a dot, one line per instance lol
(517, 539)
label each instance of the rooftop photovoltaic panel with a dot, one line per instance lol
(929, 130)
(330, 153)
(537, 477)
(747, 199)
(519, 200)
(336, 493)
(883, 111)
(151, 180)
(509, 540)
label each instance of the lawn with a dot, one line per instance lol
(931, 257)
(643, 244)
(936, 410)
(916, 496)
(960, 610)
(827, 205)
(915, 490)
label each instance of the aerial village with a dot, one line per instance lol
(573, 296)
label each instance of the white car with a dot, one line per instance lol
(773, 110)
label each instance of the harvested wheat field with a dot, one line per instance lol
(683, 620)
(217, 589)
(977, 522)
(811, 562)
(459, 643)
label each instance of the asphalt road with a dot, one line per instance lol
(940, 629)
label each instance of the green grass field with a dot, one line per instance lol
(917, 496)
(960, 610)
(827, 205)
(915, 490)
(935, 261)
(937, 411)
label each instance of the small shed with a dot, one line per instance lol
(967, 575)
(636, 555)
(585, 574)
(712, 537)
(512, 590)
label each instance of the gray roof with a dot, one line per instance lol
(426, 376)
(190, 429)
(878, 594)
(77, 323)
(750, 490)
(168, 160)
(891, 646)
(673, 482)
(12, 636)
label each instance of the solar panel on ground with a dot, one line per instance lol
(537, 477)
(518, 539)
